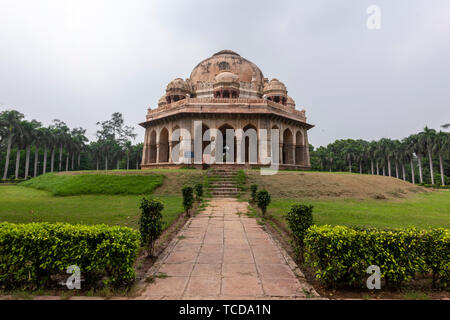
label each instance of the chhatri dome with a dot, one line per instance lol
(225, 91)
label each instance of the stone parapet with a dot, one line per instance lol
(225, 105)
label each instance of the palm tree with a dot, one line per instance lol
(415, 148)
(38, 141)
(47, 140)
(79, 139)
(11, 120)
(403, 157)
(397, 154)
(61, 137)
(29, 137)
(387, 150)
(371, 152)
(96, 152)
(427, 140)
(442, 147)
(380, 157)
(128, 150)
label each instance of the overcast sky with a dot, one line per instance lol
(80, 61)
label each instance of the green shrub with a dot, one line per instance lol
(30, 254)
(436, 252)
(199, 191)
(254, 189)
(151, 222)
(188, 198)
(263, 200)
(341, 255)
(240, 179)
(299, 219)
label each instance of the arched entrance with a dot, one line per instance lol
(287, 147)
(299, 148)
(164, 146)
(250, 144)
(152, 151)
(229, 145)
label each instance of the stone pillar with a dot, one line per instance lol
(145, 148)
(293, 154)
(281, 153)
(308, 160)
(171, 144)
(240, 150)
(157, 153)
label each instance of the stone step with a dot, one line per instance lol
(228, 181)
(225, 195)
(223, 174)
(225, 189)
(223, 185)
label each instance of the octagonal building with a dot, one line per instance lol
(225, 91)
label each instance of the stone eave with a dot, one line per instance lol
(189, 108)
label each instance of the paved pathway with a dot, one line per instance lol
(221, 254)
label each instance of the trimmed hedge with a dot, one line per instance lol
(31, 253)
(435, 186)
(341, 254)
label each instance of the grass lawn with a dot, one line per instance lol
(19, 204)
(431, 209)
(66, 185)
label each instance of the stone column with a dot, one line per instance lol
(306, 153)
(281, 153)
(145, 148)
(157, 153)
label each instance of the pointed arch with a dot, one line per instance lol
(250, 143)
(163, 145)
(229, 146)
(152, 147)
(288, 146)
(299, 148)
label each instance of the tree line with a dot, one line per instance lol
(28, 149)
(413, 158)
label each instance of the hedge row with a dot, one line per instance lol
(341, 255)
(435, 186)
(30, 254)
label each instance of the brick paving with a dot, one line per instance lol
(221, 254)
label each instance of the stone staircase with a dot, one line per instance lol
(222, 183)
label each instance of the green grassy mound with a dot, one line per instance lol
(24, 205)
(425, 210)
(68, 185)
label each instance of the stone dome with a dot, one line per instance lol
(178, 84)
(162, 101)
(226, 77)
(275, 86)
(226, 60)
(290, 102)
